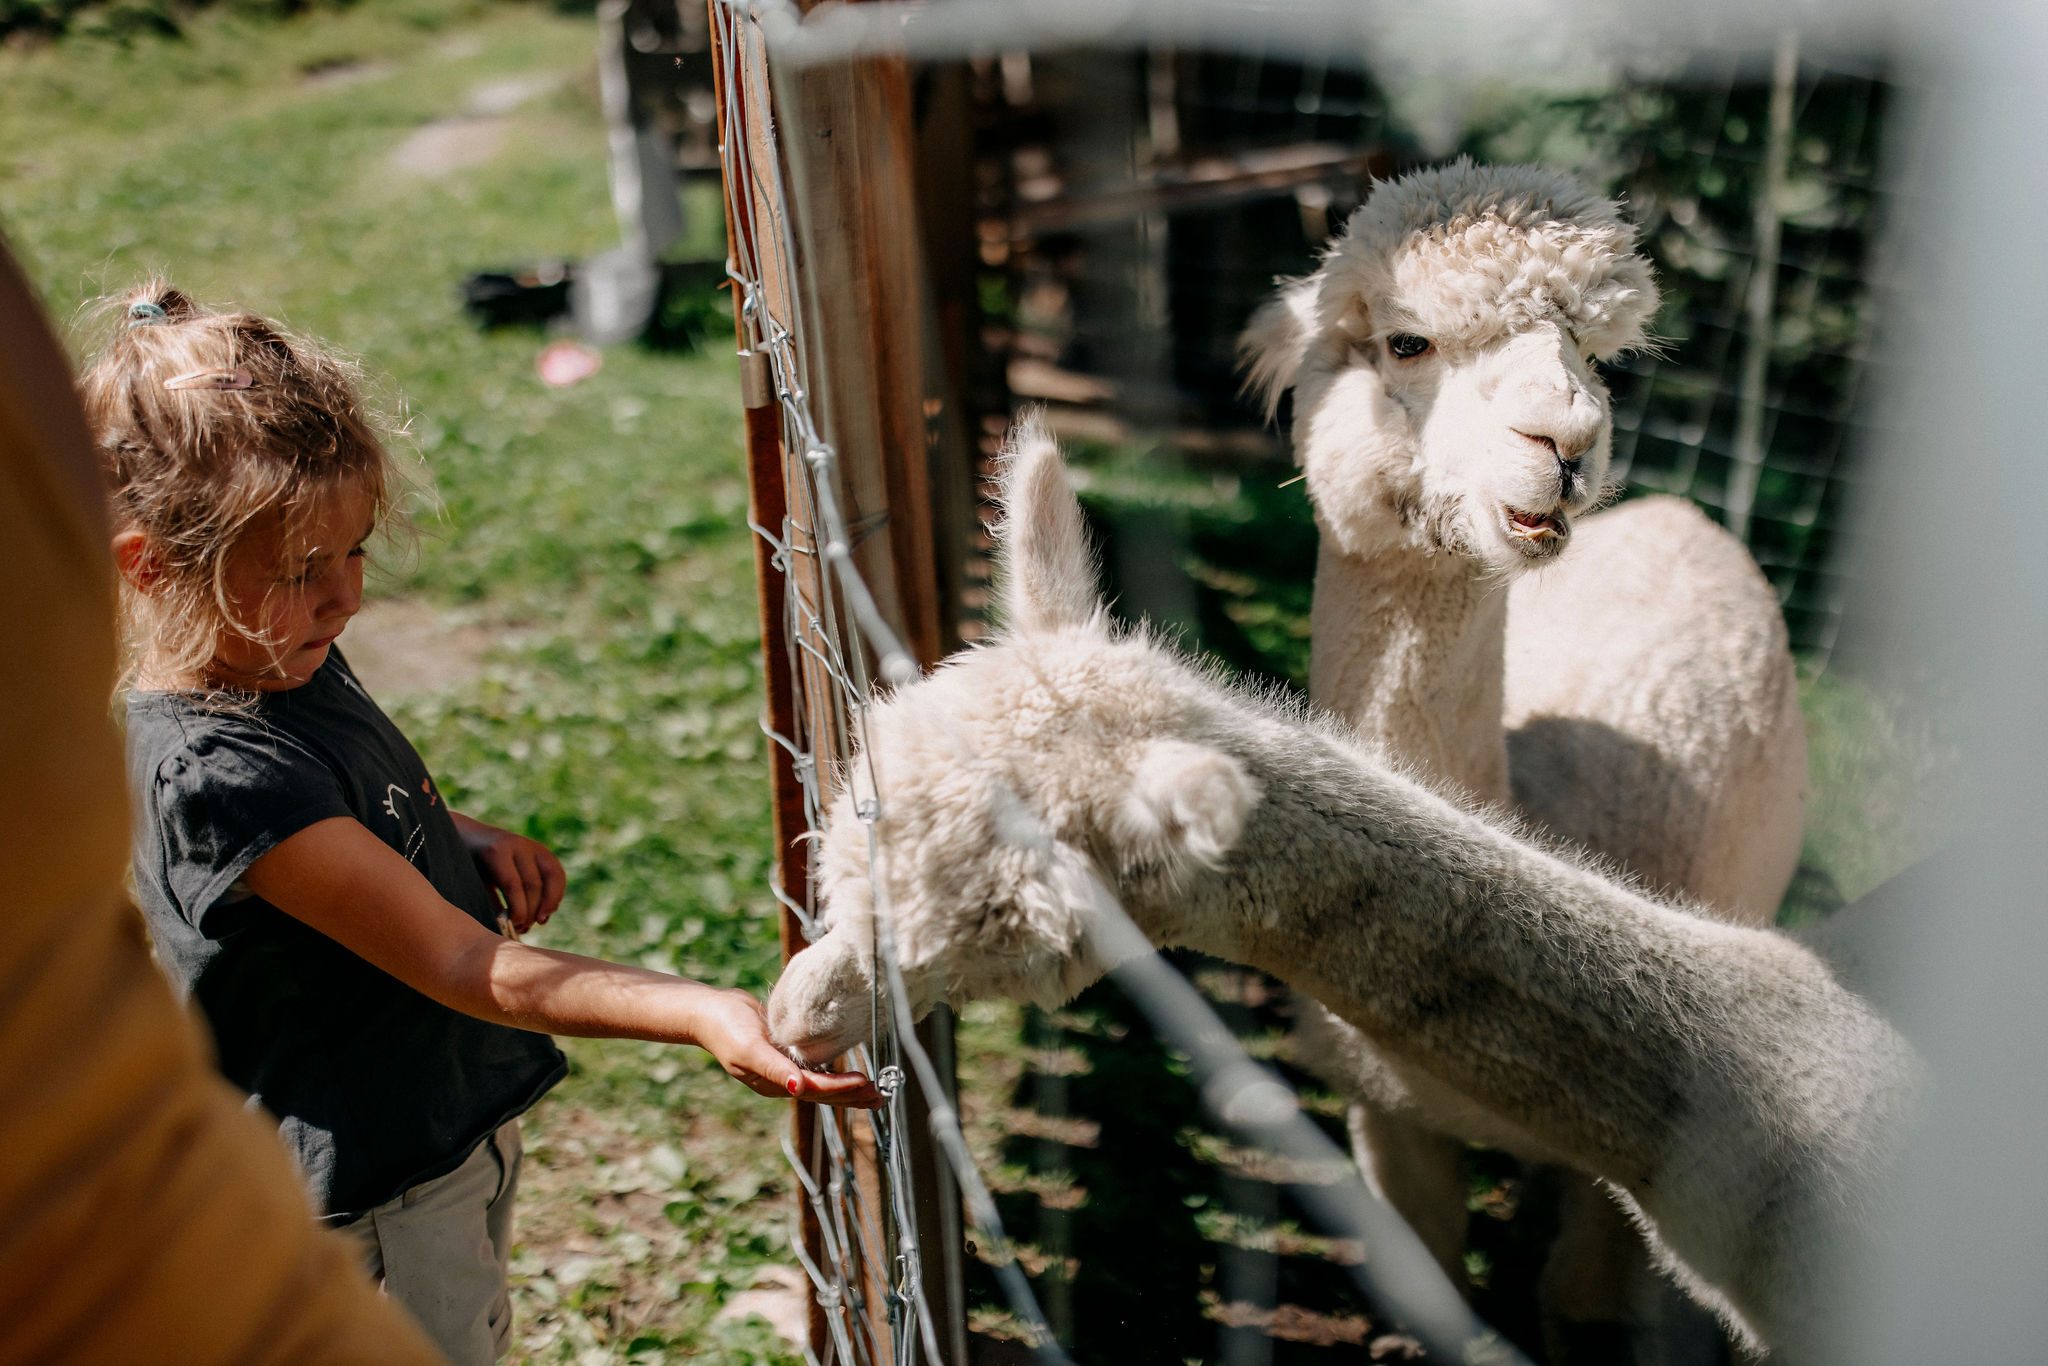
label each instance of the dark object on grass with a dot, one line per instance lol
(608, 299)
(523, 296)
(694, 303)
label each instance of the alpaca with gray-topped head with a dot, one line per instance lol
(1729, 1092)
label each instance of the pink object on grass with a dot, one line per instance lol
(563, 363)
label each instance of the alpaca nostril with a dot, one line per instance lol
(1571, 484)
(1569, 455)
(1569, 450)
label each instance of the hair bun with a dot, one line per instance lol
(160, 301)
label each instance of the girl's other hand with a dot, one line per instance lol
(733, 1027)
(524, 873)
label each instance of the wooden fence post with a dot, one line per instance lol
(878, 397)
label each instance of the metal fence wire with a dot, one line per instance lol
(867, 1271)
(868, 1277)
(1136, 206)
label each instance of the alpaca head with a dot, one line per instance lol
(1013, 792)
(1441, 362)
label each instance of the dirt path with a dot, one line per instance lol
(402, 647)
(477, 134)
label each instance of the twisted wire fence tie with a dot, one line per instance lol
(819, 1280)
(797, 754)
(826, 662)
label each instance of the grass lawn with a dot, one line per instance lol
(592, 540)
(589, 558)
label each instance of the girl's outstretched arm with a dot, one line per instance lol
(343, 881)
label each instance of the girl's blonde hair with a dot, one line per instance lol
(208, 421)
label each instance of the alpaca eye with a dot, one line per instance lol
(1407, 346)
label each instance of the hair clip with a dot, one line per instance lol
(237, 378)
(142, 313)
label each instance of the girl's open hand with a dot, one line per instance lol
(733, 1027)
(524, 873)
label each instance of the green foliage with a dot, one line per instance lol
(1226, 556)
(1687, 156)
(129, 20)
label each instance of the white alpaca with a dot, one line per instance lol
(1738, 1100)
(1636, 697)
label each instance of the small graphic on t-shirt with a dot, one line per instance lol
(412, 836)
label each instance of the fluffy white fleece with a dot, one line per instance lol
(1739, 1101)
(1466, 254)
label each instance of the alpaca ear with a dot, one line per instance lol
(1273, 343)
(1630, 305)
(1048, 570)
(1186, 806)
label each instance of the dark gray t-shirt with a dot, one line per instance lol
(375, 1087)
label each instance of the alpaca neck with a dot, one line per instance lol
(1583, 1016)
(1409, 649)
(1420, 926)
(1630, 1040)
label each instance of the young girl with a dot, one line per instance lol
(302, 876)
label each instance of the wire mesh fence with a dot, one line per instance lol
(1129, 207)
(1136, 206)
(861, 1251)
(860, 1247)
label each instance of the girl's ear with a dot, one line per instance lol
(137, 560)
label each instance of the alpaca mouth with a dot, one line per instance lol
(814, 1053)
(1535, 534)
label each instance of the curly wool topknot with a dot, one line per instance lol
(1465, 254)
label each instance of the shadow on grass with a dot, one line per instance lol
(1149, 1236)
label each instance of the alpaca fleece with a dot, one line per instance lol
(1741, 1103)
